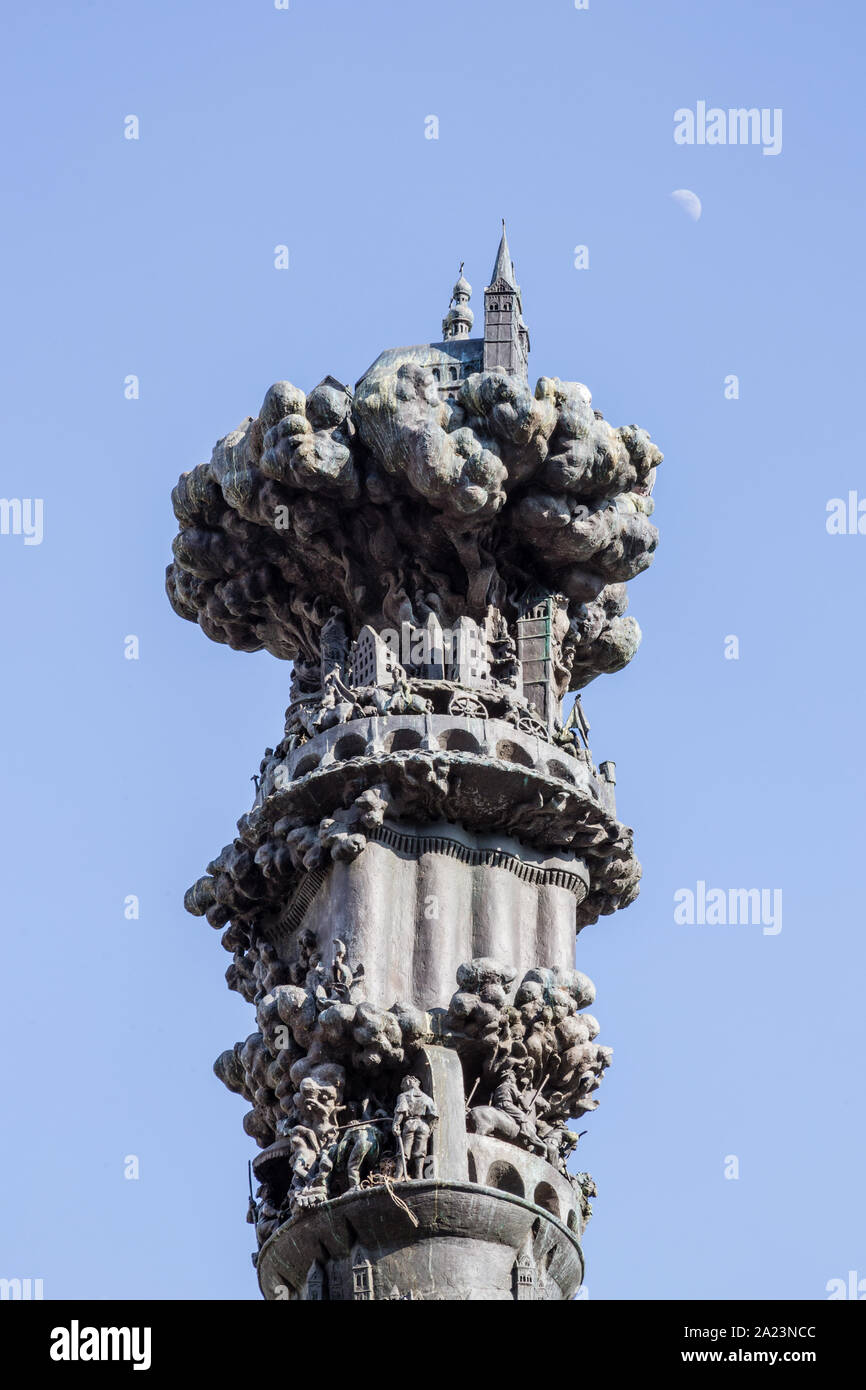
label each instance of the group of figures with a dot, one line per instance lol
(337, 702)
(473, 670)
(328, 1154)
(336, 1103)
(529, 1052)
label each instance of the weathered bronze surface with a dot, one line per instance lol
(442, 554)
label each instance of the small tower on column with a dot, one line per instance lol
(362, 1281)
(458, 322)
(506, 337)
(535, 652)
(524, 1279)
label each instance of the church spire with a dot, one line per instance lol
(504, 267)
(506, 339)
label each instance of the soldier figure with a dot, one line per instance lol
(511, 1096)
(415, 1117)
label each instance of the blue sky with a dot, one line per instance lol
(155, 257)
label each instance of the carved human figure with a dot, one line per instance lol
(558, 1141)
(516, 1095)
(539, 1040)
(326, 714)
(305, 947)
(317, 1106)
(308, 715)
(360, 1143)
(336, 705)
(567, 1142)
(333, 984)
(341, 976)
(268, 970)
(264, 1213)
(415, 1117)
(313, 1138)
(305, 1153)
(512, 1112)
(405, 700)
(592, 1077)
(317, 975)
(584, 1183)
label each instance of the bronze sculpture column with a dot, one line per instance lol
(442, 553)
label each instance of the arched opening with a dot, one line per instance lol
(506, 1178)
(513, 753)
(545, 1197)
(402, 740)
(350, 746)
(308, 764)
(571, 1222)
(459, 741)
(473, 1171)
(560, 770)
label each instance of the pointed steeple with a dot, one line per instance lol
(504, 267)
(506, 340)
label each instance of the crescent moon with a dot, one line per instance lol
(688, 201)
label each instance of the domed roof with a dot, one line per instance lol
(460, 314)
